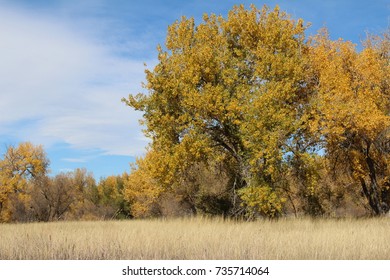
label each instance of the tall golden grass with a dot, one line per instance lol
(198, 238)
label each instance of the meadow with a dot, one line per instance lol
(198, 238)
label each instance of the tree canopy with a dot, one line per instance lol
(276, 110)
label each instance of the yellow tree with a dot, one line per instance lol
(20, 165)
(111, 195)
(141, 189)
(230, 90)
(351, 112)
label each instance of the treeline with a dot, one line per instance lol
(28, 193)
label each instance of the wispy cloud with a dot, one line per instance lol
(66, 85)
(65, 65)
(78, 160)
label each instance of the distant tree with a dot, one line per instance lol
(111, 196)
(20, 165)
(53, 197)
(64, 196)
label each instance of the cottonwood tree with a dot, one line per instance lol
(352, 114)
(65, 196)
(278, 110)
(19, 167)
(231, 90)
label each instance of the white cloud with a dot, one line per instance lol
(77, 160)
(66, 86)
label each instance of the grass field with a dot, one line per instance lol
(198, 238)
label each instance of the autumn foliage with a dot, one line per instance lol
(248, 117)
(28, 193)
(295, 124)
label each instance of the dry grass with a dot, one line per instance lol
(198, 239)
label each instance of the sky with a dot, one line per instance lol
(66, 64)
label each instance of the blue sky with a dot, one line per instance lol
(65, 65)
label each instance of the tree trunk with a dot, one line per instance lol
(372, 191)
